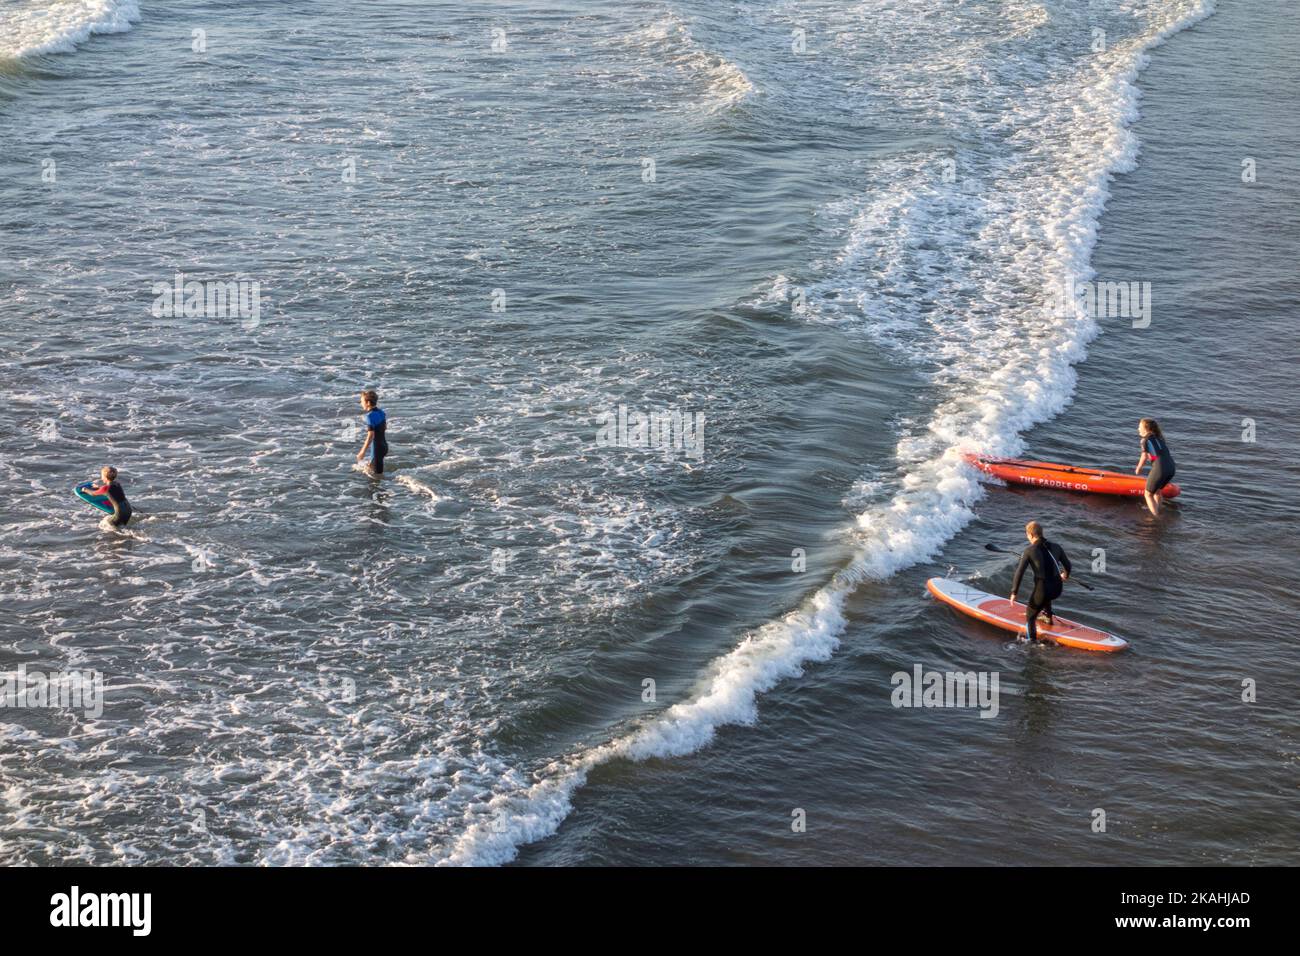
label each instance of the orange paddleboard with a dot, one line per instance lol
(1011, 617)
(1047, 474)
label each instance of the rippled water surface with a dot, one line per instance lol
(824, 227)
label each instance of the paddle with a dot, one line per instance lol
(993, 547)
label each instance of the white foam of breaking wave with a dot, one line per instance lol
(59, 26)
(1012, 376)
(669, 40)
(419, 487)
(770, 655)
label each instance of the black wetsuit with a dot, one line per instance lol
(121, 507)
(1047, 560)
(1162, 463)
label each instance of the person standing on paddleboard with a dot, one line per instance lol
(376, 444)
(1051, 569)
(1156, 450)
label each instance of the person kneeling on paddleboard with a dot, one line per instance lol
(1051, 570)
(116, 496)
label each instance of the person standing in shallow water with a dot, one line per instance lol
(376, 444)
(112, 490)
(1156, 450)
